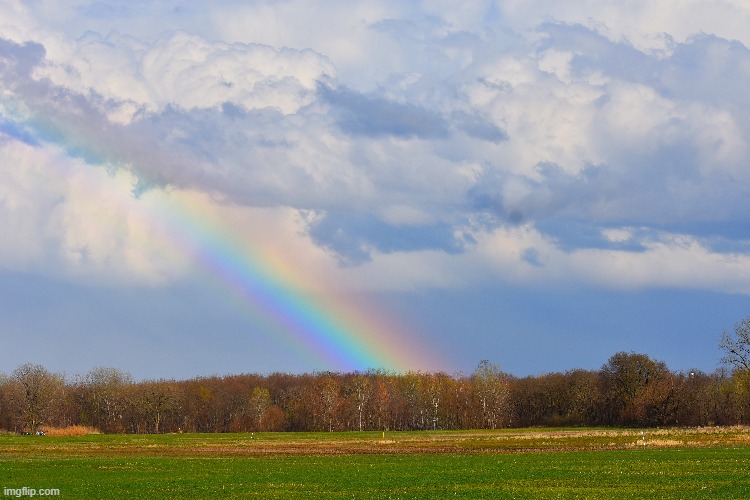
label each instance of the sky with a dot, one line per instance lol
(210, 188)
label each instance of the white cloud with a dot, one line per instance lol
(617, 235)
(674, 261)
(339, 30)
(190, 72)
(667, 261)
(537, 129)
(25, 207)
(59, 216)
(637, 118)
(641, 22)
(15, 20)
(187, 71)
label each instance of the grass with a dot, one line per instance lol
(529, 463)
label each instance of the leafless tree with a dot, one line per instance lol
(105, 397)
(258, 405)
(38, 395)
(492, 389)
(737, 346)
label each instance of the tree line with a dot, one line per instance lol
(628, 390)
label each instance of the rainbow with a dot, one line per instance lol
(335, 332)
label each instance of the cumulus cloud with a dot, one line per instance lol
(57, 217)
(401, 132)
(187, 71)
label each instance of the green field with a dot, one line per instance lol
(684, 463)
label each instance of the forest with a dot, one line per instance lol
(628, 390)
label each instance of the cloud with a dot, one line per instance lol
(353, 238)
(59, 217)
(187, 71)
(358, 114)
(667, 260)
(20, 59)
(398, 131)
(479, 128)
(645, 25)
(630, 151)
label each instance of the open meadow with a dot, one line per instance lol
(516, 463)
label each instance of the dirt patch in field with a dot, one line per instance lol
(74, 430)
(500, 441)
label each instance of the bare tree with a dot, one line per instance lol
(360, 393)
(381, 401)
(323, 400)
(39, 396)
(492, 388)
(10, 400)
(105, 396)
(737, 346)
(155, 402)
(258, 405)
